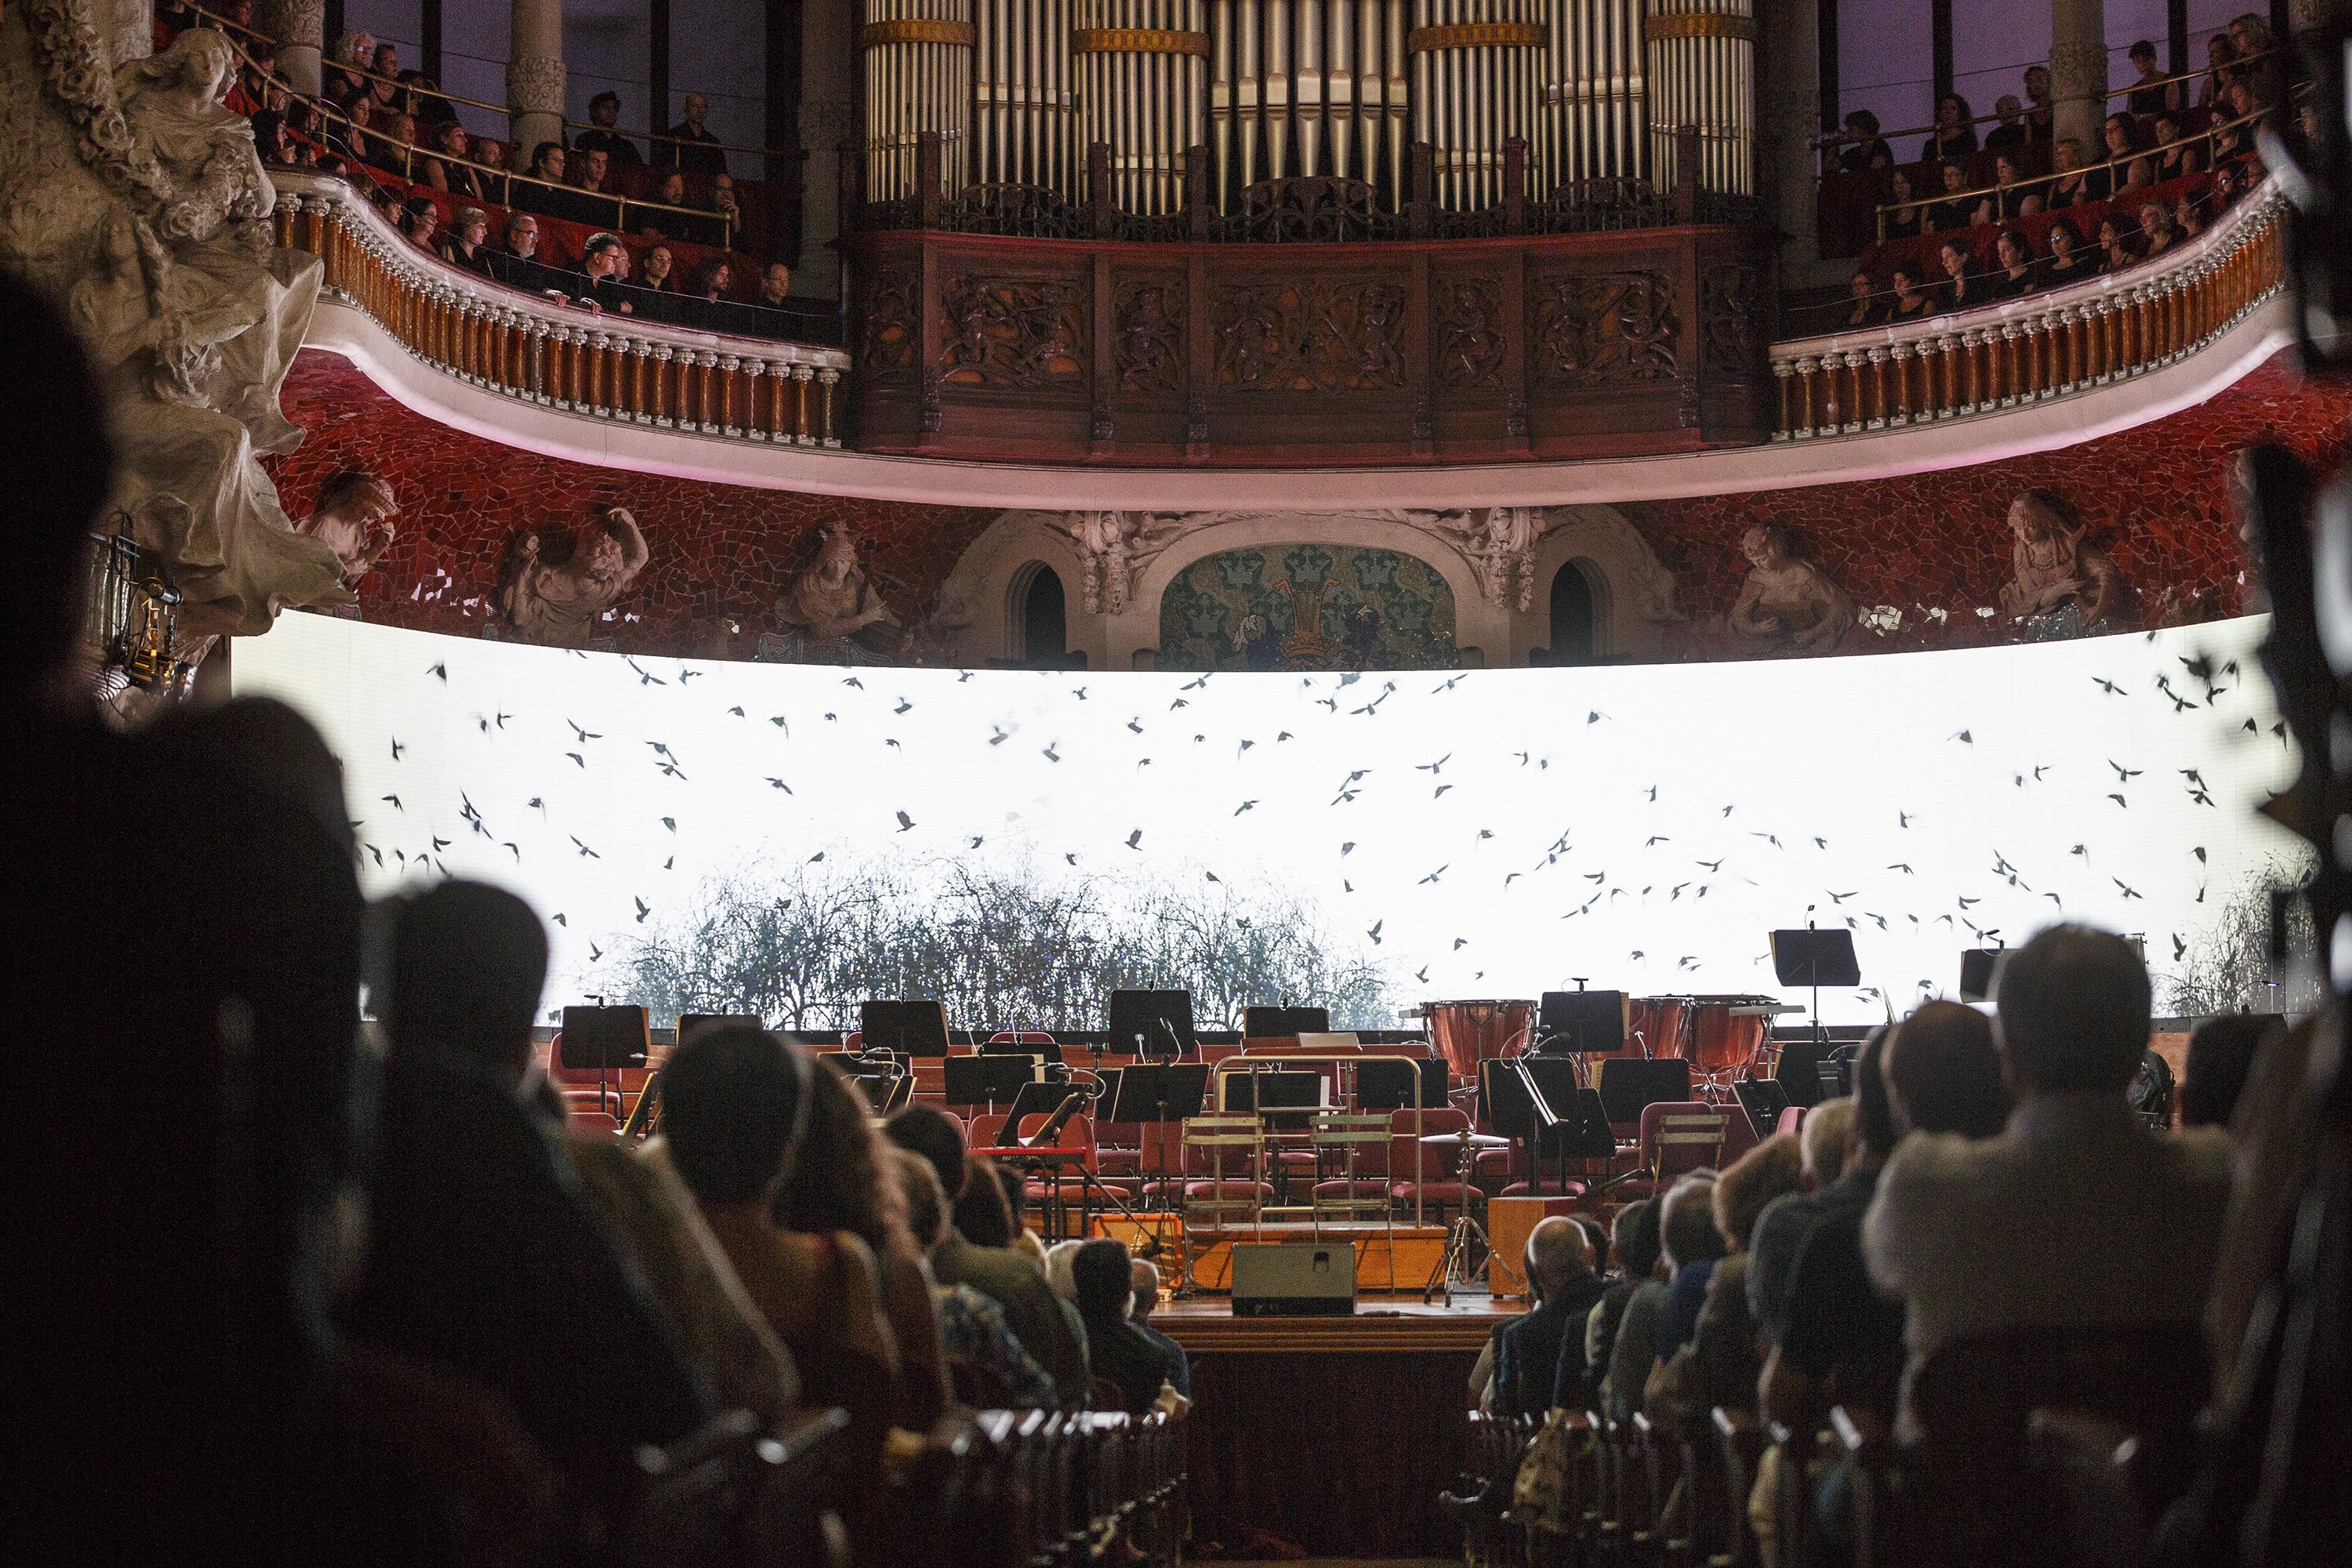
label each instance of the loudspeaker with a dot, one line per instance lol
(1295, 1279)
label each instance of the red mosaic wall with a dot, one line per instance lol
(2154, 497)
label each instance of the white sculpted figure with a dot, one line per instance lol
(1500, 542)
(556, 584)
(1786, 602)
(137, 198)
(831, 599)
(1114, 545)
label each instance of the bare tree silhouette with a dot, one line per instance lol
(802, 945)
(2229, 967)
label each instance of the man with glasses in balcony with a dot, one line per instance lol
(689, 147)
(516, 263)
(603, 113)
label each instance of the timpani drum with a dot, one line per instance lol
(1727, 1032)
(1468, 1032)
(1658, 1027)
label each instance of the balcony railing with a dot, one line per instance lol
(2046, 346)
(546, 350)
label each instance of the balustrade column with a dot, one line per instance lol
(2078, 70)
(1781, 378)
(535, 75)
(1874, 412)
(1804, 421)
(1900, 414)
(663, 355)
(803, 428)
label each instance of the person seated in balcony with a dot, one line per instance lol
(1953, 136)
(2117, 250)
(591, 177)
(603, 113)
(420, 95)
(2138, 175)
(1864, 148)
(2150, 93)
(2261, 71)
(654, 293)
(1900, 219)
(716, 225)
(604, 262)
(2232, 136)
(775, 285)
(491, 154)
(2120, 145)
(2070, 182)
(2014, 195)
(2175, 154)
(2041, 114)
(2156, 233)
(1911, 302)
(2187, 219)
(516, 263)
(1963, 288)
(662, 214)
(542, 190)
(2068, 261)
(688, 145)
(342, 80)
(707, 304)
(396, 150)
(2013, 270)
(465, 243)
(2009, 134)
(1955, 209)
(1862, 307)
(2220, 71)
(418, 218)
(450, 171)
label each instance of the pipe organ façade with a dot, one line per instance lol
(1018, 89)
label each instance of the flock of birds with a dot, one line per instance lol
(1645, 826)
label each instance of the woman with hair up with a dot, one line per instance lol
(843, 1181)
(1953, 137)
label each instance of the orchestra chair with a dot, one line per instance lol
(1740, 1442)
(1428, 1174)
(1118, 1147)
(1969, 1491)
(585, 1083)
(854, 1041)
(1677, 1137)
(591, 1121)
(1791, 1121)
(1223, 1165)
(1372, 1180)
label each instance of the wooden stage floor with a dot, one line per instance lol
(1332, 1436)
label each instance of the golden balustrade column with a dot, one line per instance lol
(803, 432)
(827, 379)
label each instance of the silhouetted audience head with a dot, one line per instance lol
(839, 1179)
(932, 1134)
(1559, 1254)
(2221, 1059)
(1943, 1072)
(980, 1211)
(1772, 1169)
(1826, 1140)
(468, 961)
(1633, 1237)
(734, 1101)
(1104, 1284)
(1687, 1224)
(918, 1188)
(2074, 1011)
(1874, 1130)
(1016, 1195)
(57, 466)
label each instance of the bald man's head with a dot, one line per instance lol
(1559, 1254)
(1144, 1276)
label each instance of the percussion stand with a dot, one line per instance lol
(1466, 1230)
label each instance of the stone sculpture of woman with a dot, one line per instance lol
(832, 600)
(1786, 603)
(557, 585)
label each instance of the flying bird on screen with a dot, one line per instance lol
(1440, 789)
(2123, 773)
(1133, 725)
(1135, 839)
(594, 953)
(1245, 805)
(1432, 877)
(2199, 853)
(1071, 858)
(775, 783)
(2179, 948)
(1425, 767)
(440, 672)
(1422, 975)
(1903, 866)
(781, 722)
(1594, 716)
(684, 675)
(999, 738)
(1049, 753)
(1194, 685)
(853, 680)
(397, 807)
(904, 707)
(644, 909)
(1963, 737)
(737, 711)
(2119, 800)
(398, 748)
(2129, 891)
(2109, 687)
(904, 822)
(1375, 933)
(577, 758)
(585, 853)
(642, 677)
(1655, 839)
(977, 842)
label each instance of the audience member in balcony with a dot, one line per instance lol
(2175, 154)
(2150, 93)
(2041, 114)
(451, 170)
(604, 262)
(1633, 1246)
(591, 177)
(842, 1179)
(2119, 143)
(2070, 183)
(483, 1254)
(690, 145)
(1145, 1276)
(990, 1370)
(388, 202)
(2102, 1221)
(1902, 218)
(715, 226)
(1121, 1355)
(545, 193)
(735, 1104)
(2220, 71)
(662, 214)
(2260, 69)
(1864, 148)
(465, 243)
(386, 61)
(2138, 175)
(271, 141)
(491, 155)
(603, 113)
(1956, 208)
(342, 78)
(397, 148)
(2232, 137)
(2118, 250)
(1862, 307)
(654, 293)
(1543, 1349)
(1962, 287)
(2010, 135)
(2068, 261)
(2013, 271)
(2186, 217)
(516, 263)
(1693, 1247)
(2015, 195)
(2156, 233)
(1953, 136)
(775, 285)
(418, 218)
(1911, 301)
(420, 95)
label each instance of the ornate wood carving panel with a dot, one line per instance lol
(1016, 333)
(1595, 328)
(1467, 325)
(1147, 334)
(1309, 334)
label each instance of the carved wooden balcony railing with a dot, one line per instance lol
(558, 355)
(2045, 346)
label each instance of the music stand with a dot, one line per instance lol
(691, 1024)
(1158, 1022)
(1284, 1022)
(984, 1080)
(1628, 1084)
(607, 1038)
(1581, 1021)
(1390, 1085)
(1976, 964)
(1020, 1045)
(909, 1028)
(884, 1092)
(1282, 1099)
(1814, 958)
(1154, 1094)
(1763, 1099)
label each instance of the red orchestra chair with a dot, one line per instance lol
(1428, 1175)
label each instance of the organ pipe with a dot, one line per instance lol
(1018, 89)
(918, 77)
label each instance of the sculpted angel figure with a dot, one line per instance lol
(831, 599)
(1500, 542)
(2053, 566)
(556, 586)
(1786, 602)
(354, 519)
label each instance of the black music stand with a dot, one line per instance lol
(690, 1023)
(1569, 1124)
(1581, 1022)
(1158, 1022)
(608, 1040)
(1018, 1046)
(1388, 1085)
(1630, 1085)
(984, 1080)
(1284, 1022)
(1814, 958)
(1284, 1101)
(1154, 1094)
(908, 1027)
(1763, 1099)
(1976, 964)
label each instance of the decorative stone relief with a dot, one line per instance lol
(1500, 542)
(136, 199)
(1787, 605)
(830, 601)
(2061, 583)
(535, 84)
(1014, 333)
(1114, 545)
